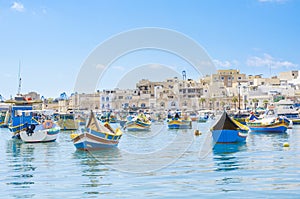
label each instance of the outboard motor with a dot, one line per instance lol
(29, 130)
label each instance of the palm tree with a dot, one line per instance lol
(202, 100)
(222, 105)
(212, 101)
(265, 102)
(234, 100)
(255, 101)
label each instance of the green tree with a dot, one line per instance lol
(255, 101)
(265, 102)
(202, 100)
(234, 100)
(222, 105)
(212, 103)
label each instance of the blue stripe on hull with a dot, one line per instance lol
(177, 126)
(86, 145)
(228, 136)
(279, 129)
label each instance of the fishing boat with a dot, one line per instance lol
(286, 108)
(203, 117)
(67, 121)
(227, 130)
(137, 123)
(41, 129)
(21, 114)
(178, 122)
(241, 116)
(279, 125)
(268, 123)
(96, 136)
(193, 115)
(4, 115)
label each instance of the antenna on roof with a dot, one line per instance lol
(19, 88)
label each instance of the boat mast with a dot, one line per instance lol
(19, 77)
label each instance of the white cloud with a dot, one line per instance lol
(226, 63)
(268, 61)
(17, 6)
(100, 66)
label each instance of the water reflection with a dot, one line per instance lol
(20, 157)
(94, 166)
(225, 157)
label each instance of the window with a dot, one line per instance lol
(143, 105)
(107, 99)
(239, 77)
(222, 78)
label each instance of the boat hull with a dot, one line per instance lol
(276, 128)
(179, 124)
(89, 141)
(137, 126)
(229, 136)
(46, 135)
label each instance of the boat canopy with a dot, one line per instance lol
(225, 122)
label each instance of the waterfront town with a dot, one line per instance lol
(227, 89)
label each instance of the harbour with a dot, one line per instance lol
(261, 167)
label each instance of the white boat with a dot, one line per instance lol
(41, 129)
(40, 132)
(286, 108)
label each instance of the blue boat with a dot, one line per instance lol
(227, 130)
(270, 122)
(21, 114)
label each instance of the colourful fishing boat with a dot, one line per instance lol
(203, 118)
(41, 130)
(177, 123)
(287, 109)
(96, 136)
(269, 124)
(67, 122)
(21, 114)
(4, 118)
(227, 130)
(138, 123)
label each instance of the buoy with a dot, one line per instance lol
(197, 132)
(286, 144)
(73, 135)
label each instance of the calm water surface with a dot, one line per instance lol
(158, 164)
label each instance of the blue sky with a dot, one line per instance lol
(53, 38)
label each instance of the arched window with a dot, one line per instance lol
(107, 99)
(143, 105)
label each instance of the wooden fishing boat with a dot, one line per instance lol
(227, 130)
(21, 113)
(46, 131)
(287, 109)
(270, 124)
(138, 123)
(203, 118)
(96, 136)
(67, 121)
(177, 123)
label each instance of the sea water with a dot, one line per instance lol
(160, 163)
